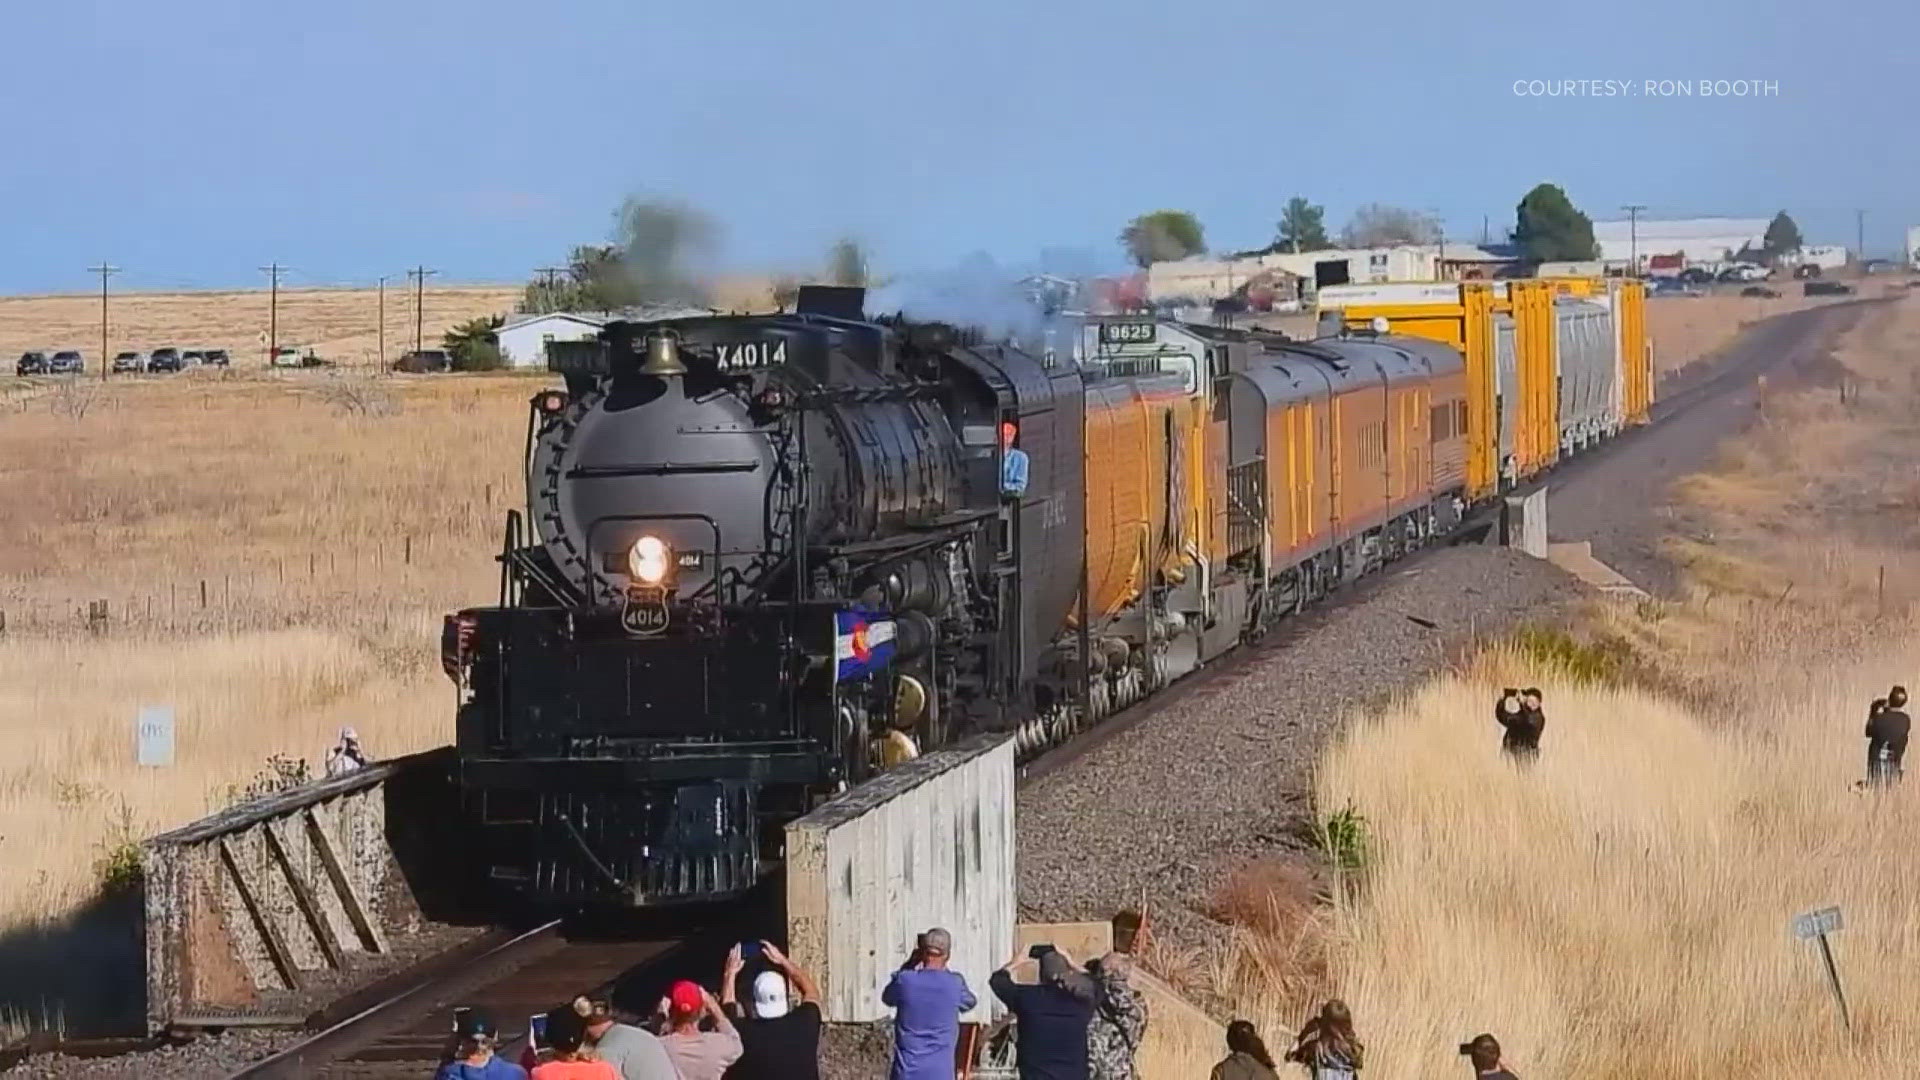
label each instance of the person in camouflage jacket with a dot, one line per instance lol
(1119, 1019)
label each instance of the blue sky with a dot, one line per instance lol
(194, 141)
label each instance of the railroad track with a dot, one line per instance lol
(408, 1033)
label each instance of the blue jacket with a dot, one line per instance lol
(1013, 472)
(496, 1068)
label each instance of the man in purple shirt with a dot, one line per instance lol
(928, 1000)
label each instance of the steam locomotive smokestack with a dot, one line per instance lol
(663, 355)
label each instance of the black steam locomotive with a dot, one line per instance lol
(753, 543)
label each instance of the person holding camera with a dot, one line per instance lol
(1327, 1046)
(782, 1040)
(1520, 714)
(1051, 1017)
(1484, 1052)
(1888, 726)
(927, 999)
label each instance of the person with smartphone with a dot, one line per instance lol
(475, 1057)
(928, 999)
(780, 1039)
(635, 1053)
(697, 1052)
(1051, 1017)
(1484, 1053)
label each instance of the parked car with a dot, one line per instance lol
(1673, 287)
(31, 363)
(1759, 290)
(1694, 275)
(1826, 288)
(192, 358)
(165, 358)
(294, 356)
(67, 362)
(130, 360)
(216, 357)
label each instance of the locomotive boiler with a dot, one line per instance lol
(751, 544)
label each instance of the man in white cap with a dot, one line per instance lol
(781, 1039)
(346, 755)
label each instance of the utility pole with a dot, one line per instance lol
(419, 274)
(1633, 238)
(552, 274)
(272, 270)
(105, 271)
(383, 320)
(1860, 238)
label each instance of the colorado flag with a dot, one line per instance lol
(863, 643)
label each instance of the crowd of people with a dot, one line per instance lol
(1069, 1023)
(692, 1035)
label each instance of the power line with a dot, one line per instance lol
(419, 274)
(1633, 237)
(105, 270)
(272, 270)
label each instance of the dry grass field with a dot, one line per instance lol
(342, 325)
(1623, 908)
(330, 519)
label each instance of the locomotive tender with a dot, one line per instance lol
(753, 544)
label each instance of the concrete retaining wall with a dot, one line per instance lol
(928, 844)
(257, 913)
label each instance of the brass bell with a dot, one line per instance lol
(663, 355)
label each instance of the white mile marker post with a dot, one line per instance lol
(1816, 925)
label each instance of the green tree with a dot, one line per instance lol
(1303, 227)
(474, 345)
(1782, 236)
(1162, 236)
(846, 263)
(1549, 229)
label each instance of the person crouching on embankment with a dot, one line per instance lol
(1327, 1046)
(1887, 730)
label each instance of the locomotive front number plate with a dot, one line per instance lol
(1127, 333)
(645, 612)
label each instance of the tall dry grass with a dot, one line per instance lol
(330, 520)
(1623, 908)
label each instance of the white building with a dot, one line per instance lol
(523, 339)
(1824, 256)
(1700, 240)
(1204, 280)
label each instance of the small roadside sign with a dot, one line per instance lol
(1815, 923)
(153, 736)
(1815, 926)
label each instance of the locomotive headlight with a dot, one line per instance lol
(650, 560)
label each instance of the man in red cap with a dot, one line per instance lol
(697, 1053)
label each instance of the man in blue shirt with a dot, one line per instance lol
(1013, 464)
(928, 1000)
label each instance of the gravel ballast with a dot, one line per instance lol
(1220, 776)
